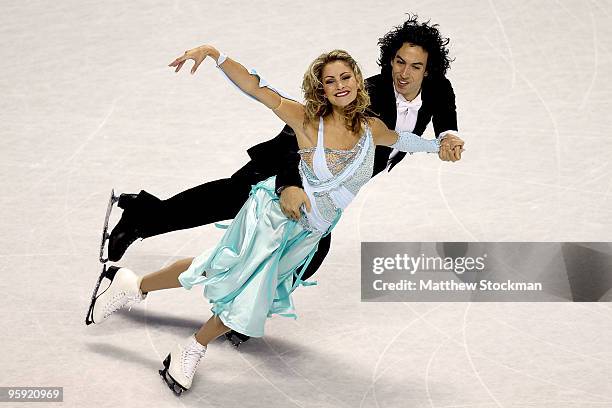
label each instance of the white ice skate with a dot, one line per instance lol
(124, 289)
(181, 364)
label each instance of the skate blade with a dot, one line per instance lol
(234, 340)
(106, 273)
(111, 202)
(174, 386)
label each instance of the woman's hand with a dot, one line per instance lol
(291, 199)
(198, 55)
(290, 112)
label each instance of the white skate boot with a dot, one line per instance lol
(181, 364)
(124, 288)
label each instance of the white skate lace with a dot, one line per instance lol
(191, 358)
(120, 300)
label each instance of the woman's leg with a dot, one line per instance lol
(165, 278)
(212, 329)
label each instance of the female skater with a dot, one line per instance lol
(248, 276)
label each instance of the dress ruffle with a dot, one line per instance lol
(248, 276)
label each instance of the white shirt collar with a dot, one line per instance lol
(399, 98)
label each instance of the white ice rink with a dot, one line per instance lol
(88, 103)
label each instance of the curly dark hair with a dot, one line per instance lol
(425, 35)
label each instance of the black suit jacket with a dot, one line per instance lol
(279, 156)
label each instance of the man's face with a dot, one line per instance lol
(408, 69)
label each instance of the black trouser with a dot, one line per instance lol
(210, 202)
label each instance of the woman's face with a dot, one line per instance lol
(339, 83)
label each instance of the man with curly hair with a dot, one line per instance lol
(410, 91)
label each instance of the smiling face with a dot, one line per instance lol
(408, 69)
(339, 83)
(333, 84)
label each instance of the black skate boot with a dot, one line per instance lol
(236, 338)
(122, 236)
(126, 200)
(181, 364)
(127, 231)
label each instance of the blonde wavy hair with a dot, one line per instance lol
(317, 105)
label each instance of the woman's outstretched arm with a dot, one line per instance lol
(406, 141)
(289, 111)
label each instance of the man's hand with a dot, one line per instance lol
(450, 148)
(291, 199)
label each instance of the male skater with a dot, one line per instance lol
(410, 91)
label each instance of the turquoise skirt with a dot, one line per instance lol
(249, 275)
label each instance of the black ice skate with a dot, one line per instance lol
(122, 236)
(181, 364)
(236, 338)
(124, 289)
(111, 203)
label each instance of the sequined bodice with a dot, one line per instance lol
(337, 161)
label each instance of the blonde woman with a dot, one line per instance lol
(249, 275)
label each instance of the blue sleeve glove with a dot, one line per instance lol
(409, 142)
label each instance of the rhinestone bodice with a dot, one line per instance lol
(337, 161)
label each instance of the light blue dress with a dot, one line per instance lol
(248, 276)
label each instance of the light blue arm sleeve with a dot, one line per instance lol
(409, 142)
(262, 82)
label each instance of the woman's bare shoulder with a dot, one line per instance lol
(375, 123)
